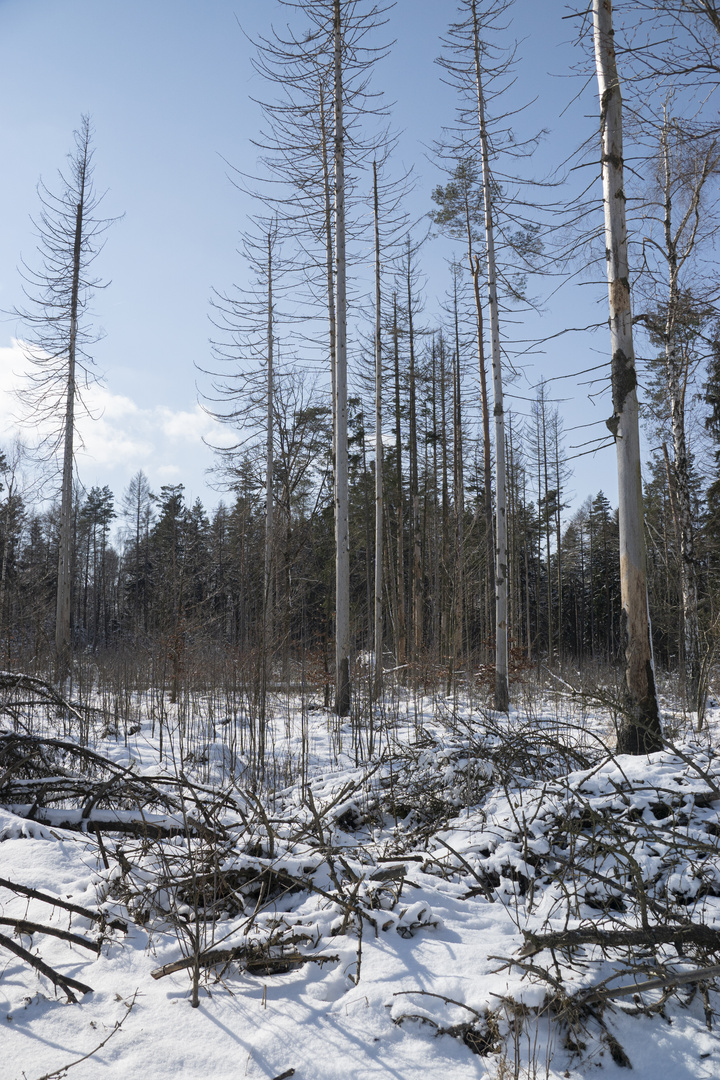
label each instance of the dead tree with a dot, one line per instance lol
(639, 731)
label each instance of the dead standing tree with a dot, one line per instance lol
(55, 337)
(315, 148)
(681, 221)
(639, 731)
(481, 72)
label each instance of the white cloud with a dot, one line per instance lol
(120, 436)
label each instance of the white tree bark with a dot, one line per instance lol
(639, 731)
(378, 605)
(502, 691)
(342, 523)
(269, 462)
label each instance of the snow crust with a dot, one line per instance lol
(447, 901)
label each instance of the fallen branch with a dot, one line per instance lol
(692, 933)
(23, 926)
(144, 827)
(678, 978)
(65, 983)
(442, 997)
(95, 916)
(224, 956)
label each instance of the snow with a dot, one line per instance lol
(421, 874)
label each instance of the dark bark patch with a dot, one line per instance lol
(624, 379)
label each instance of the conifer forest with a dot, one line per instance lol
(399, 755)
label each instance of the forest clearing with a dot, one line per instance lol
(491, 895)
(401, 759)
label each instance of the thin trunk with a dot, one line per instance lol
(401, 620)
(459, 507)
(417, 598)
(342, 522)
(62, 616)
(558, 544)
(445, 612)
(378, 597)
(267, 629)
(640, 730)
(329, 252)
(436, 593)
(548, 582)
(502, 693)
(487, 455)
(676, 376)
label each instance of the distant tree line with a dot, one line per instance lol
(154, 576)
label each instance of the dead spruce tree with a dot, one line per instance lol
(680, 226)
(639, 731)
(479, 70)
(314, 149)
(244, 392)
(55, 337)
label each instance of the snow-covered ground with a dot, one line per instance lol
(386, 918)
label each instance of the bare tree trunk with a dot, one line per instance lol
(329, 253)
(502, 692)
(558, 542)
(640, 730)
(543, 433)
(676, 377)
(267, 628)
(436, 594)
(401, 620)
(487, 456)
(62, 614)
(342, 522)
(444, 581)
(416, 590)
(378, 608)
(459, 508)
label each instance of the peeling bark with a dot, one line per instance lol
(639, 730)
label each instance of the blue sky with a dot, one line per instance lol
(169, 89)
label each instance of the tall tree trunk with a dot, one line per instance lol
(548, 582)
(445, 581)
(459, 508)
(487, 455)
(378, 597)
(267, 628)
(676, 378)
(342, 522)
(502, 692)
(417, 591)
(269, 432)
(434, 570)
(640, 730)
(329, 252)
(62, 614)
(401, 619)
(558, 541)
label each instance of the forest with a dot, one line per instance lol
(402, 756)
